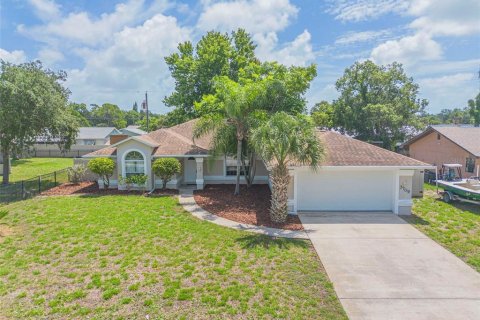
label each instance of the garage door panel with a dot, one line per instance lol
(345, 191)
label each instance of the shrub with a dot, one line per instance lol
(165, 168)
(76, 173)
(103, 167)
(139, 180)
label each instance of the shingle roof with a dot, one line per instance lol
(340, 150)
(345, 151)
(135, 130)
(104, 152)
(467, 137)
(174, 141)
(94, 132)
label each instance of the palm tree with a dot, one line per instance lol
(281, 141)
(231, 113)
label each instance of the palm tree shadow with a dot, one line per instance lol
(266, 242)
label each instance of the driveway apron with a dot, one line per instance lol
(383, 268)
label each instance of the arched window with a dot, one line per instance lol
(134, 164)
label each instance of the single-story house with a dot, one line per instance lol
(355, 175)
(133, 131)
(442, 144)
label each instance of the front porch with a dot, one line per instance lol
(191, 176)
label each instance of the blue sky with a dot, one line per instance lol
(113, 50)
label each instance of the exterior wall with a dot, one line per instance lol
(437, 152)
(52, 150)
(214, 173)
(98, 142)
(133, 145)
(90, 176)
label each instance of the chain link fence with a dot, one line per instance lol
(29, 188)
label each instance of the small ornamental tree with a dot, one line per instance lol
(165, 168)
(104, 168)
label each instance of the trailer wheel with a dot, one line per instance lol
(447, 197)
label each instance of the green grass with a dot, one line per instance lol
(125, 257)
(29, 168)
(456, 226)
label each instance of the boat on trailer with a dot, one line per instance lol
(455, 187)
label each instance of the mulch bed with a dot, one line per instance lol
(251, 206)
(92, 188)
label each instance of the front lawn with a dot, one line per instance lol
(29, 168)
(454, 225)
(128, 257)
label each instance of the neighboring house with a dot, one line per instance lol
(355, 176)
(442, 144)
(88, 139)
(133, 131)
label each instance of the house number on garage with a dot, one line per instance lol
(404, 189)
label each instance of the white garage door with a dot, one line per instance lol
(345, 190)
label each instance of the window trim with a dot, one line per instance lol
(225, 159)
(124, 156)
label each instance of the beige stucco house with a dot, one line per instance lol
(442, 144)
(355, 176)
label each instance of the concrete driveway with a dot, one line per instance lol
(383, 268)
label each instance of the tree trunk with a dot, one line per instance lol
(239, 166)
(164, 184)
(250, 176)
(279, 203)
(6, 167)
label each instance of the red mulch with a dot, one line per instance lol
(92, 188)
(251, 206)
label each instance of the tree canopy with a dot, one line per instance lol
(195, 67)
(474, 109)
(33, 102)
(376, 103)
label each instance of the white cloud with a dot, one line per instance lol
(298, 52)
(360, 10)
(46, 9)
(452, 80)
(50, 56)
(446, 17)
(256, 16)
(81, 28)
(263, 19)
(15, 56)
(449, 91)
(408, 50)
(132, 64)
(363, 36)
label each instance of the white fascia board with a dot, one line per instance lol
(364, 168)
(181, 156)
(97, 156)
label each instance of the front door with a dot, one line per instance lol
(190, 175)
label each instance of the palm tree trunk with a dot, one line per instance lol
(239, 166)
(279, 204)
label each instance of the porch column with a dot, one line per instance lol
(200, 182)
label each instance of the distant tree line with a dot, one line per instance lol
(111, 115)
(380, 104)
